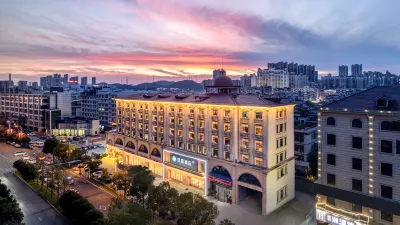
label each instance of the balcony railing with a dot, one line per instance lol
(215, 145)
(258, 137)
(259, 154)
(191, 128)
(244, 135)
(191, 116)
(227, 119)
(214, 132)
(227, 147)
(244, 150)
(258, 121)
(214, 118)
(154, 112)
(200, 117)
(171, 113)
(227, 133)
(244, 120)
(200, 130)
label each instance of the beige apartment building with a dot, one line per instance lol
(359, 155)
(235, 147)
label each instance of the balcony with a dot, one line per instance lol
(180, 127)
(244, 120)
(259, 154)
(214, 132)
(214, 118)
(215, 145)
(191, 116)
(258, 121)
(227, 133)
(227, 119)
(258, 137)
(180, 114)
(171, 125)
(172, 114)
(244, 135)
(161, 123)
(180, 138)
(200, 117)
(200, 130)
(191, 129)
(154, 133)
(154, 112)
(160, 134)
(140, 110)
(244, 150)
(227, 147)
(191, 141)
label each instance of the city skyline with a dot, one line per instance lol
(175, 40)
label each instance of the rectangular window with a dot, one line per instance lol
(397, 147)
(245, 143)
(201, 123)
(245, 128)
(357, 164)
(259, 146)
(201, 137)
(258, 130)
(259, 161)
(386, 169)
(227, 155)
(227, 113)
(356, 185)
(386, 192)
(245, 158)
(227, 141)
(172, 132)
(357, 143)
(245, 114)
(172, 143)
(191, 122)
(259, 115)
(172, 120)
(180, 121)
(386, 216)
(215, 152)
(215, 139)
(191, 135)
(386, 146)
(215, 125)
(282, 194)
(280, 157)
(356, 208)
(227, 127)
(180, 133)
(330, 201)
(282, 171)
(191, 111)
(215, 112)
(331, 179)
(331, 139)
(331, 159)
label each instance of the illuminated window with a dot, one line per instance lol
(259, 115)
(140, 116)
(180, 133)
(227, 127)
(282, 171)
(258, 130)
(214, 152)
(191, 147)
(259, 162)
(215, 125)
(245, 143)
(227, 113)
(201, 111)
(215, 139)
(191, 135)
(172, 132)
(245, 114)
(227, 155)
(146, 116)
(180, 144)
(201, 123)
(146, 126)
(245, 158)
(259, 145)
(281, 156)
(281, 114)
(140, 125)
(161, 129)
(227, 141)
(154, 128)
(281, 128)
(201, 137)
(180, 110)
(215, 112)
(280, 142)
(245, 128)
(154, 118)
(172, 109)
(191, 122)
(180, 121)
(202, 150)
(172, 120)
(161, 119)
(191, 111)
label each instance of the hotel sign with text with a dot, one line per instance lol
(185, 162)
(335, 219)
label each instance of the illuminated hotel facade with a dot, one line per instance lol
(359, 150)
(223, 144)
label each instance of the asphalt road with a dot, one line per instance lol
(35, 209)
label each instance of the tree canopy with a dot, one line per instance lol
(161, 199)
(122, 212)
(142, 181)
(28, 171)
(10, 212)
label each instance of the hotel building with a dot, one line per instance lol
(224, 144)
(358, 158)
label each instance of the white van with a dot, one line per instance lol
(39, 144)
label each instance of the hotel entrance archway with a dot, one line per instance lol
(220, 184)
(250, 193)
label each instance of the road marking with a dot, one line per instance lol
(6, 158)
(40, 219)
(102, 207)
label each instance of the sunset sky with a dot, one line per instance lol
(182, 39)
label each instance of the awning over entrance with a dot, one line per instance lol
(218, 178)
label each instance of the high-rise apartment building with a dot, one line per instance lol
(356, 70)
(296, 69)
(51, 81)
(74, 80)
(218, 73)
(83, 80)
(93, 80)
(35, 85)
(98, 104)
(358, 158)
(65, 80)
(275, 78)
(343, 71)
(23, 85)
(229, 145)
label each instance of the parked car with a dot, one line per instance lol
(20, 154)
(13, 143)
(74, 190)
(32, 160)
(48, 161)
(17, 145)
(8, 142)
(97, 174)
(70, 180)
(25, 157)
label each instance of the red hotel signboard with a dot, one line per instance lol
(220, 181)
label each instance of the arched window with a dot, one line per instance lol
(330, 121)
(356, 123)
(390, 125)
(156, 153)
(249, 179)
(143, 149)
(130, 145)
(119, 142)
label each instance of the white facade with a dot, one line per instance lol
(273, 78)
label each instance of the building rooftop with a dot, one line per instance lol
(377, 98)
(304, 126)
(213, 99)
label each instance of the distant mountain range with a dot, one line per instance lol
(185, 84)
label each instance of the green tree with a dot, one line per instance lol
(79, 210)
(226, 222)
(27, 170)
(193, 209)
(161, 199)
(122, 181)
(123, 213)
(141, 183)
(50, 146)
(41, 171)
(94, 164)
(105, 175)
(133, 170)
(10, 212)
(61, 152)
(313, 160)
(78, 154)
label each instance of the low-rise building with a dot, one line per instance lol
(77, 127)
(305, 141)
